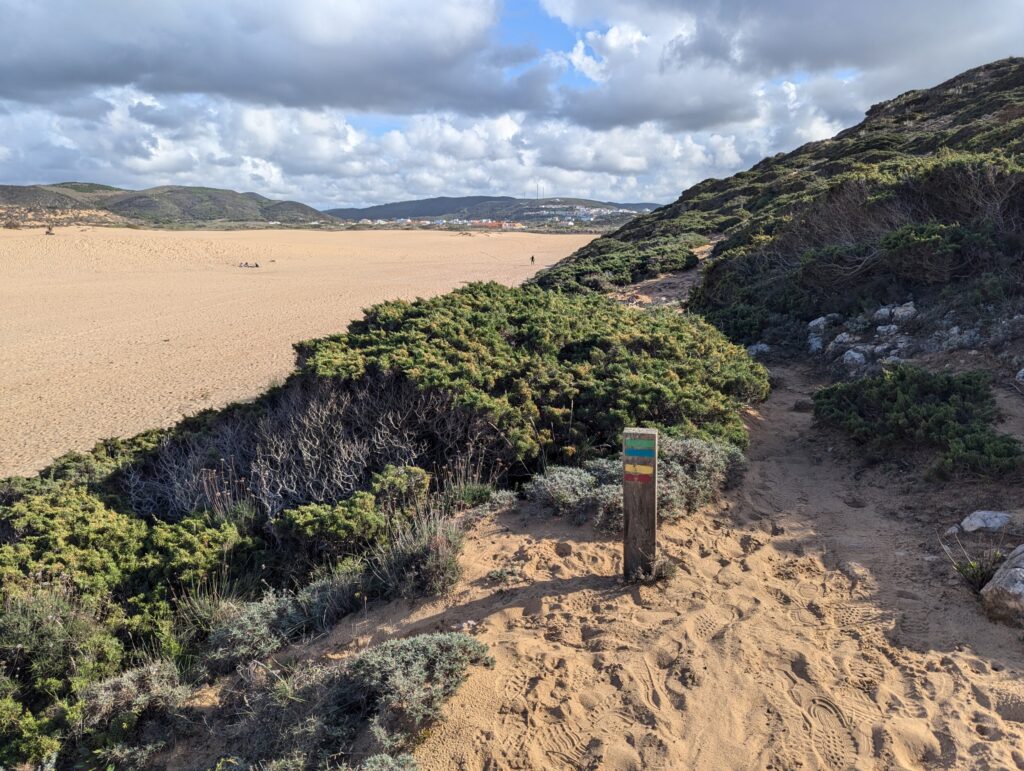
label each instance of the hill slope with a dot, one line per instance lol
(931, 172)
(167, 205)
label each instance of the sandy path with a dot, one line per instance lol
(813, 624)
(108, 332)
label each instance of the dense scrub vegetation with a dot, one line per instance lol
(89, 591)
(606, 263)
(923, 194)
(556, 375)
(907, 408)
(182, 554)
(310, 716)
(918, 226)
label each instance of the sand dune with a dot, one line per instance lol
(108, 332)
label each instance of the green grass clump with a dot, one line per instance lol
(909, 408)
(558, 375)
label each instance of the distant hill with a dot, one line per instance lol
(167, 205)
(481, 207)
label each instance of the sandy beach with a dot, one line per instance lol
(107, 332)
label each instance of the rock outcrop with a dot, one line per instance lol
(1003, 596)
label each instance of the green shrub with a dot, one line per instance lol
(420, 559)
(557, 374)
(691, 473)
(193, 549)
(319, 532)
(475, 494)
(310, 717)
(607, 262)
(406, 682)
(565, 490)
(69, 534)
(400, 490)
(907, 407)
(53, 644)
(111, 711)
(24, 737)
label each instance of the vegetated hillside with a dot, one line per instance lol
(926, 193)
(480, 207)
(135, 573)
(168, 205)
(37, 198)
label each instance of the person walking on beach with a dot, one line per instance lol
(532, 259)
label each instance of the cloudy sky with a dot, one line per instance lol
(355, 102)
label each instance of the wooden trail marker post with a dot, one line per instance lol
(640, 501)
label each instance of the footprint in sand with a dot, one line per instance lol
(563, 744)
(806, 615)
(854, 616)
(865, 672)
(831, 736)
(518, 683)
(711, 621)
(808, 591)
(912, 627)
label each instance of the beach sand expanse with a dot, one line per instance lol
(107, 332)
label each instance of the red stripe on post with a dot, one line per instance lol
(637, 477)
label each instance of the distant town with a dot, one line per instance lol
(549, 215)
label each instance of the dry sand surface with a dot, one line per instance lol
(813, 624)
(108, 332)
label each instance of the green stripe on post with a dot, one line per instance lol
(640, 444)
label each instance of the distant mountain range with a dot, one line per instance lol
(475, 207)
(167, 205)
(181, 205)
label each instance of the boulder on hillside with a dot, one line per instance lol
(904, 312)
(854, 360)
(982, 520)
(1003, 596)
(818, 325)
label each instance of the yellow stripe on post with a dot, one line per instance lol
(635, 469)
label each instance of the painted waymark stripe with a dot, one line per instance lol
(637, 477)
(640, 444)
(631, 453)
(633, 468)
